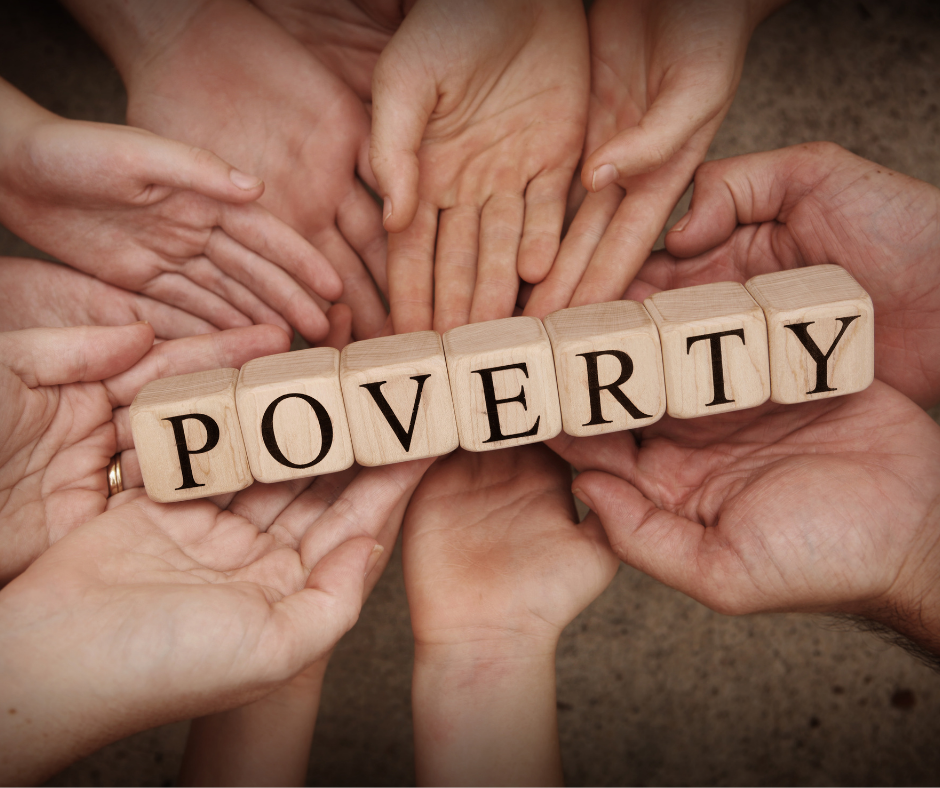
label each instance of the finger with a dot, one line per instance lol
(360, 221)
(169, 322)
(340, 333)
(56, 356)
(275, 297)
(574, 256)
(455, 266)
(185, 294)
(615, 452)
(501, 220)
(224, 349)
(401, 106)
(263, 233)
(411, 272)
(131, 476)
(545, 200)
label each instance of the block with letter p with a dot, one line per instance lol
(503, 378)
(397, 398)
(187, 436)
(714, 341)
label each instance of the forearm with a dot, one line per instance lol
(264, 743)
(485, 716)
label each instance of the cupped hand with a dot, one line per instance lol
(663, 76)
(478, 121)
(493, 550)
(60, 387)
(814, 204)
(827, 506)
(152, 612)
(235, 82)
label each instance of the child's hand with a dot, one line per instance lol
(496, 565)
(157, 217)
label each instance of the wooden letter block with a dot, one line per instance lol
(714, 341)
(503, 378)
(821, 327)
(609, 366)
(293, 419)
(187, 436)
(398, 398)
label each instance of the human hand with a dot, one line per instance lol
(478, 121)
(224, 76)
(151, 612)
(157, 217)
(827, 506)
(61, 388)
(663, 76)
(496, 565)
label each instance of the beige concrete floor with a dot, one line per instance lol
(653, 688)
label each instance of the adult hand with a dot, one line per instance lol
(157, 217)
(827, 506)
(60, 388)
(224, 76)
(813, 204)
(496, 566)
(151, 612)
(478, 121)
(663, 76)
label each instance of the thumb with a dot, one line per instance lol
(402, 101)
(56, 356)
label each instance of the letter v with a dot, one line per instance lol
(375, 389)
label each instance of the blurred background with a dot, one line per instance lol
(653, 688)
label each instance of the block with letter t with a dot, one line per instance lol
(714, 341)
(293, 419)
(398, 398)
(821, 327)
(503, 378)
(187, 436)
(609, 367)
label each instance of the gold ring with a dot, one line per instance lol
(115, 480)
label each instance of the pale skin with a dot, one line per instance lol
(478, 121)
(158, 217)
(222, 75)
(151, 612)
(496, 566)
(64, 414)
(663, 76)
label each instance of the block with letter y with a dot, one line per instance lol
(398, 399)
(503, 378)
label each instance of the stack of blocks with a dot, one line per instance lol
(791, 336)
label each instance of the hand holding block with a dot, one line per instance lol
(292, 414)
(503, 378)
(714, 342)
(187, 436)
(821, 327)
(609, 366)
(397, 398)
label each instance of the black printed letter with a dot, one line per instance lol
(212, 439)
(270, 440)
(718, 369)
(595, 388)
(822, 362)
(492, 412)
(375, 389)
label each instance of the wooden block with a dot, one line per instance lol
(292, 414)
(609, 366)
(503, 378)
(398, 398)
(821, 326)
(187, 436)
(714, 341)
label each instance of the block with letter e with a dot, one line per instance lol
(292, 414)
(714, 341)
(503, 378)
(821, 326)
(397, 398)
(609, 367)
(187, 436)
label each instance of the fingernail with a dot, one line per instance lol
(386, 210)
(603, 176)
(579, 494)
(679, 226)
(373, 559)
(244, 181)
(141, 323)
